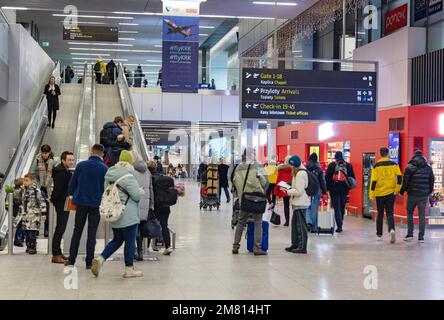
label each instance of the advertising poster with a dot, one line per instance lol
(420, 8)
(180, 50)
(396, 19)
(393, 146)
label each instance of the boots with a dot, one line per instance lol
(130, 272)
(28, 246)
(32, 247)
(139, 255)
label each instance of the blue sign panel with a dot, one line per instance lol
(393, 146)
(421, 5)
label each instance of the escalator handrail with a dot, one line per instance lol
(128, 109)
(33, 131)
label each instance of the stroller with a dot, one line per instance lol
(209, 197)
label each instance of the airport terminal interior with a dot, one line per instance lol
(221, 150)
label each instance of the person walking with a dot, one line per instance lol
(272, 173)
(336, 177)
(125, 228)
(86, 188)
(68, 74)
(284, 174)
(111, 70)
(99, 70)
(127, 129)
(312, 211)
(249, 176)
(223, 179)
(300, 201)
(385, 183)
(138, 75)
(61, 176)
(418, 182)
(159, 166)
(52, 93)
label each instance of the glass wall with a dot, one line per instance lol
(4, 32)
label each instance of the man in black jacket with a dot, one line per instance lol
(223, 179)
(418, 183)
(337, 173)
(312, 212)
(61, 175)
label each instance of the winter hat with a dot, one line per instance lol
(338, 155)
(295, 161)
(313, 157)
(126, 156)
(418, 153)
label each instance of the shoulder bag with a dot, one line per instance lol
(253, 202)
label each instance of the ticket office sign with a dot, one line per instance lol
(308, 95)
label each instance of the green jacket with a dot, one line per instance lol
(257, 178)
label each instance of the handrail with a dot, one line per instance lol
(79, 118)
(128, 109)
(20, 160)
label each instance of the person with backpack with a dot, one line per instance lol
(385, 183)
(340, 178)
(67, 74)
(99, 70)
(121, 176)
(116, 149)
(109, 133)
(250, 181)
(300, 201)
(165, 196)
(111, 70)
(419, 183)
(314, 167)
(86, 188)
(285, 175)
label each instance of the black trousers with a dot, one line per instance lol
(52, 113)
(286, 209)
(139, 238)
(163, 216)
(45, 191)
(62, 221)
(386, 203)
(271, 197)
(338, 202)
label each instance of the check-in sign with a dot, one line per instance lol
(396, 19)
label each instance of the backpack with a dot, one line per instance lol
(111, 208)
(97, 67)
(340, 174)
(313, 184)
(165, 195)
(106, 137)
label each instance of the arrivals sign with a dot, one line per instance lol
(180, 50)
(309, 95)
(421, 5)
(91, 33)
(393, 146)
(396, 19)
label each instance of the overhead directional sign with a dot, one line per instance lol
(91, 33)
(308, 95)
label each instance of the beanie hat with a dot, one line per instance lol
(125, 156)
(295, 161)
(418, 153)
(338, 155)
(313, 157)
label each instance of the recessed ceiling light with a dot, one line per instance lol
(207, 27)
(14, 8)
(140, 13)
(158, 46)
(90, 16)
(158, 61)
(121, 31)
(128, 24)
(203, 34)
(102, 44)
(275, 3)
(94, 59)
(127, 39)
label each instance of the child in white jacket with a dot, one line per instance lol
(300, 201)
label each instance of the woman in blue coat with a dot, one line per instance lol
(124, 229)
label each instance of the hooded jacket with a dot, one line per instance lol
(144, 179)
(116, 129)
(256, 181)
(284, 174)
(298, 196)
(418, 178)
(130, 216)
(386, 178)
(315, 168)
(32, 205)
(61, 177)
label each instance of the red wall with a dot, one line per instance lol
(419, 122)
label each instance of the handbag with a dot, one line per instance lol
(69, 205)
(253, 202)
(275, 219)
(151, 228)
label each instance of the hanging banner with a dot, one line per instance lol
(180, 49)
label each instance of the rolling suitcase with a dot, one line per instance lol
(326, 221)
(250, 235)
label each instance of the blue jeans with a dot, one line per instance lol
(127, 235)
(30, 235)
(19, 235)
(299, 229)
(312, 212)
(227, 193)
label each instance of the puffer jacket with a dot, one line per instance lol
(284, 174)
(143, 177)
(315, 168)
(130, 215)
(298, 196)
(256, 181)
(32, 204)
(418, 178)
(43, 177)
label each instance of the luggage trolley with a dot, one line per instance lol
(209, 196)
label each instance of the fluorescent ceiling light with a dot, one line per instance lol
(140, 13)
(202, 15)
(159, 61)
(101, 44)
(128, 24)
(89, 54)
(94, 59)
(121, 31)
(143, 65)
(158, 46)
(86, 22)
(15, 8)
(127, 39)
(276, 3)
(207, 27)
(115, 50)
(203, 34)
(90, 16)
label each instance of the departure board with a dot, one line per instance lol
(91, 33)
(308, 95)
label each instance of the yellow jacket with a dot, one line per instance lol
(386, 178)
(272, 173)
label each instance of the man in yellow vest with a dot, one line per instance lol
(385, 183)
(272, 174)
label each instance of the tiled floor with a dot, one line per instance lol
(202, 267)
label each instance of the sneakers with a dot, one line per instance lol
(339, 230)
(289, 249)
(421, 240)
(167, 251)
(378, 238)
(130, 272)
(408, 238)
(299, 250)
(97, 265)
(392, 236)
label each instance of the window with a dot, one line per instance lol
(396, 124)
(294, 135)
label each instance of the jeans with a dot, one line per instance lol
(312, 212)
(139, 237)
(163, 216)
(93, 216)
(227, 193)
(127, 235)
(338, 201)
(62, 221)
(30, 235)
(243, 217)
(19, 234)
(412, 203)
(271, 197)
(299, 229)
(386, 203)
(286, 209)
